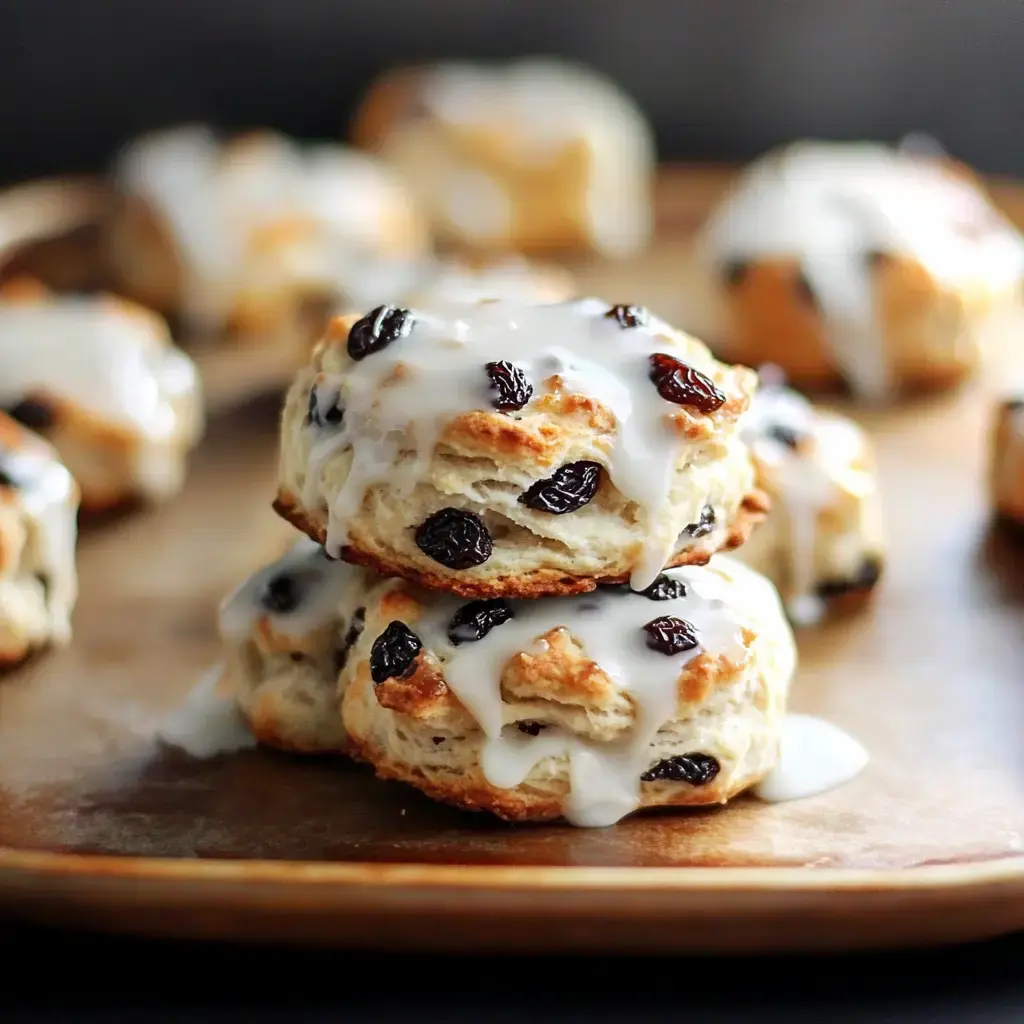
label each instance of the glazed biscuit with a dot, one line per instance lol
(38, 511)
(536, 155)
(504, 449)
(858, 264)
(246, 236)
(822, 543)
(98, 377)
(286, 633)
(1006, 461)
(586, 707)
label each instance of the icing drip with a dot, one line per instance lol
(442, 375)
(111, 362)
(608, 625)
(814, 756)
(830, 207)
(208, 723)
(319, 586)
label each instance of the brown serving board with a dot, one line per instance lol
(102, 827)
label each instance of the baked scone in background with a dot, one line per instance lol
(533, 155)
(38, 531)
(247, 235)
(1006, 460)
(859, 264)
(505, 449)
(822, 543)
(585, 707)
(98, 377)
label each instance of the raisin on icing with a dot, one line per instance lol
(394, 652)
(455, 538)
(683, 385)
(696, 769)
(785, 435)
(510, 383)
(475, 620)
(704, 525)
(734, 273)
(352, 634)
(318, 416)
(530, 728)
(378, 329)
(629, 316)
(32, 414)
(281, 594)
(567, 490)
(670, 635)
(664, 588)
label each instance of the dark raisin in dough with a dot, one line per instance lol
(629, 316)
(530, 728)
(281, 594)
(683, 385)
(455, 538)
(352, 634)
(510, 383)
(704, 525)
(32, 414)
(664, 588)
(866, 577)
(785, 435)
(734, 273)
(394, 652)
(475, 620)
(378, 329)
(670, 635)
(567, 490)
(333, 415)
(696, 769)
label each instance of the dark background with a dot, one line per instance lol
(721, 79)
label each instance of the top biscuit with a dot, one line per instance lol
(503, 449)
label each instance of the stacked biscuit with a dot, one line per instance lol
(508, 592)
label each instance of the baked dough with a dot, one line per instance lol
(38, 514)
(822, 543)
(561, 707)
(99, 378)
(286, 633)
(534, 155)
(249, 236)
(1006, 460)
(504, 449)
(857, 263)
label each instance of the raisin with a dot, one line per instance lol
(514, 390)
(32, 414)
(333, 415)
(664, 588)
(704, 525)
(784, 435)
(734, 273)
(805, 291)
(455, 538)
(394, 652)
(437, 740)
(875, 257)
(629, 316)
(670, 635)
(567, 490)
(378, 329)
(696, 769)
(352, 634)
(281, 594)
(6, 480)
(683, 385)
(867, 576)
(530, 728)
(475, 620)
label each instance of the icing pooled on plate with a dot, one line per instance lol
(208, 723)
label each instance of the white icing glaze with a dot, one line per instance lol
(49, 498)
(830, 205)
(806, 478)
(221, 201)
(608, 625)
(208, 723)
(443, 358)
(102, 358)
(322, 584)
(814, 756)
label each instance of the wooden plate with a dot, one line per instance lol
(101, 827)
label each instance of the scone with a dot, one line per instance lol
(822, 543)
(505, 449)
(534, 155)
(586, 707)
(99, 378)
(247, 235)
(856, 263)
(286, 632)
(38, 512)
(1006, 461)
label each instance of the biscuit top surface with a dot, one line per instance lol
(418, 370)
(227, 203)
(107, 357)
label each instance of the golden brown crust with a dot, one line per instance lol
(264, 721)
(540, 583)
